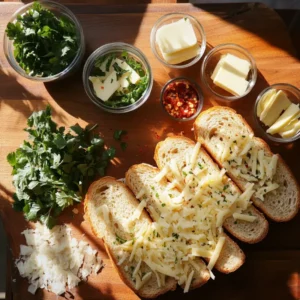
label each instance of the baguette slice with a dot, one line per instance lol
(176, 147)
(121, 205)
(142, 176)
(280, 207)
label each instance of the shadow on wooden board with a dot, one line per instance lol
(243, 15)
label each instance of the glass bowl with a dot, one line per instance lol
(58, 10)
(199, 32)
(212, 58)
(117, 47)
(293, 94)
(197, 89)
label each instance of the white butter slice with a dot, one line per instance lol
(274, 108)
(231, 82)
(238, 65)
(234, 64)
(264, 101)
(217, 67)
(104, 90)
(181, 56)
(176, 36)
(292, 131)
(284, 119)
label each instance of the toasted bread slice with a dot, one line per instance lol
(121, 205)
(217, 125)
(142, 176)
(177, 147)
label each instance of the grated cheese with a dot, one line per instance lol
(54, 260)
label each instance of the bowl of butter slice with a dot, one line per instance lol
(277, 112)
(229, 72)
(178, 40)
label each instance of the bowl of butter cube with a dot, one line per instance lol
(277, 112)
(178, 40)
(229, 72)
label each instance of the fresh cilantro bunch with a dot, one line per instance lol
(54, 170)
(44, 45)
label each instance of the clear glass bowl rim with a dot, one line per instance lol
(235, 47)
(199, 92)
(276, 86)
(76, 59)
(111, 47)
(153, 42)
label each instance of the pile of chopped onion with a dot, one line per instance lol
(54, 260)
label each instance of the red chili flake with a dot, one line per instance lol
(102, 87)
(180, 99)
(246, 166)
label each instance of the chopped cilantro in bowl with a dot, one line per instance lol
(44, 41)
(117, 77)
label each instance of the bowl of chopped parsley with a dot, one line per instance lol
(117, 77)
(44, 41)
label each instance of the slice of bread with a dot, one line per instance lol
(142, 176)
(176, 148)
(218, 124)
(121, 205)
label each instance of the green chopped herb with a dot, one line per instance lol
(226, 187)
(163, 204)
(120, 240)
(175, 235)
(235, 222)
(184, 173)
(200, 166)
(243, 136)
(44, 44)
(54, 170)
(123, 146)
(157, 195)
(119, 70)
(118, 134)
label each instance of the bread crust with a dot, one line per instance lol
(260, 204)
(242, 238)
(218, 266)
(104, 181)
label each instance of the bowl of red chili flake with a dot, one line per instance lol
(182, 99)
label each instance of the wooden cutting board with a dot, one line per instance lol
(269, 264)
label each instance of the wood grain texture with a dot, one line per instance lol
(270, 263)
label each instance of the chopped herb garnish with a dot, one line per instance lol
(184, 173)
(163, 204)
(54, 170)
(120, 240)
(175, 235)
(200, 166)
(226, 187)
(118, 134)
(157, 195)
(123, 146)
(119, 70)
(44, 44)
